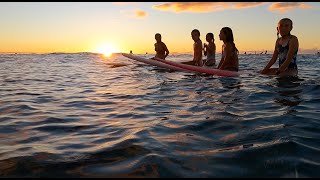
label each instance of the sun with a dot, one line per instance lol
(107, 50)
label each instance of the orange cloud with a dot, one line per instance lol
(203, 7)
(283, 7)
(140, 14)
(134, 13)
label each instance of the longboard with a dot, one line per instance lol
(201, 69)
(154, 62)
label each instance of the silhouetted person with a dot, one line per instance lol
(209, 50)
(286, 48)
(229, 56)
(160, 47)
(197, 49)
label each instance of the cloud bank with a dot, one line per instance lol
(205, 7)
(284, 7)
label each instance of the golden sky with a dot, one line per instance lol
(120, 27)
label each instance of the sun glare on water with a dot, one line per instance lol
(107, 50)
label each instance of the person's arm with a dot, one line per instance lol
(293, 47)
(214, 49)
(205, 49)
(155, 48)
(227, 57)
(273, 59)
(166, 50)
(221, 60)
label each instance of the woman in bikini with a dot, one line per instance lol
(229, 59)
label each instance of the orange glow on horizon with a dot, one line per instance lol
(107, 50)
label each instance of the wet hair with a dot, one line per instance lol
(229, 36)
(286, 19)
(196, 31)
(210, 35)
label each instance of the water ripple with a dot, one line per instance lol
(85, 115)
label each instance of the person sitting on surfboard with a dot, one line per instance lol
(160, 47)
(209, 50)
(197, 49)
(286, 48)
(229, 59)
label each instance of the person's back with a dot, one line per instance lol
(233, 63)
(161, 49)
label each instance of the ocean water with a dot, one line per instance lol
(85, 115)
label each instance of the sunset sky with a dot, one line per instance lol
(42, 27)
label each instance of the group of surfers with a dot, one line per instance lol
(286, 49)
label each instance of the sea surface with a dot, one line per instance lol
(86, 115)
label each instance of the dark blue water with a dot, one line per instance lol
(84, 115)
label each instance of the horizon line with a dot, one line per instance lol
(258, 52)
